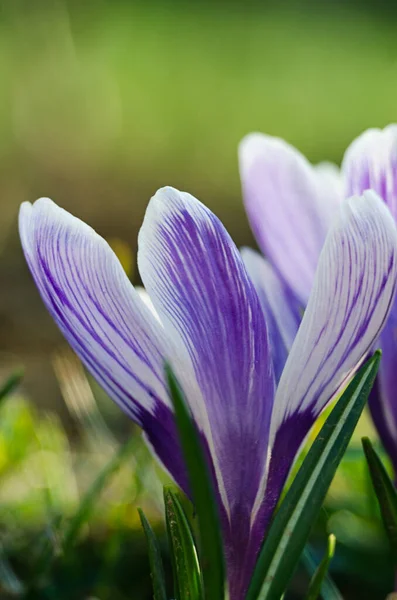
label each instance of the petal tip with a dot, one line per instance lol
(254, 145)
(25, 209)
(369, 202)
(161, 198)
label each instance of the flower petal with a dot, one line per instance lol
(287, 206)
(349, 303)
(370, 162)
(330, 184)
(280, 307)
(351, 298)
(103, 318)
(382, 403)
(205, 299)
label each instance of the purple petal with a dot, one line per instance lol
(383, 399)
(290, 205)
(281, 310)
(370, 162)
(103, 318)
(351, 298)
(349, 303)
(208, 304)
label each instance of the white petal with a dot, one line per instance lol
(280, 307)
(290, 207)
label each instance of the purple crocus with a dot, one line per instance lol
(205, 317)
(291, 204)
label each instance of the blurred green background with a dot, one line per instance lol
(101, 103)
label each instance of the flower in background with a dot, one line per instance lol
(205, 317)
(291, 204)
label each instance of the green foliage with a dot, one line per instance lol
(103, 115)
(320, 582)
(211, 552)
(292, 524)
(186, 568)
(91, 498)
(10, 384)
(156, 564)
(385, 493)
(34, 565)
(9, 582)
(43, 554)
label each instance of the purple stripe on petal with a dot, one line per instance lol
(290, 205)
(91, 299)
(350, 301)
(351, 298)
(118, 339)
(208, 305)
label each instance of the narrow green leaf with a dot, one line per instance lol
(186, 568)
(9, 582)
(385, 492)
(211, 550)
(46, 549)
(10, 384)
(91, 497)
(156, 564)
(329, 591)
(291, 525)
(320, 583)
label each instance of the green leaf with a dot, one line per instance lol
(186, 568)
(9, 582)
(291, 525)
(10, 384)
(91, 497)
(46, 548)
(320, 583)
(385, 492)
(156, 564)
(211, 549)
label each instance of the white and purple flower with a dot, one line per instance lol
(205, 317)
(291, 203)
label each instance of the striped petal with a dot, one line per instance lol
(351, 298)
(370, 162)
(290, 205)
(103, 318)
(282, 313)
(205, 299)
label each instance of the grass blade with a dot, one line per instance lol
(9, 582)
(385, 493)
(46, 549)
(187, 576)
(320, 583)
(156, 564)
(211, 550)
(91, 497)
(10, 384)
(291, 526)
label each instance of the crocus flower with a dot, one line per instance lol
(205, 317)
(290, 204)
